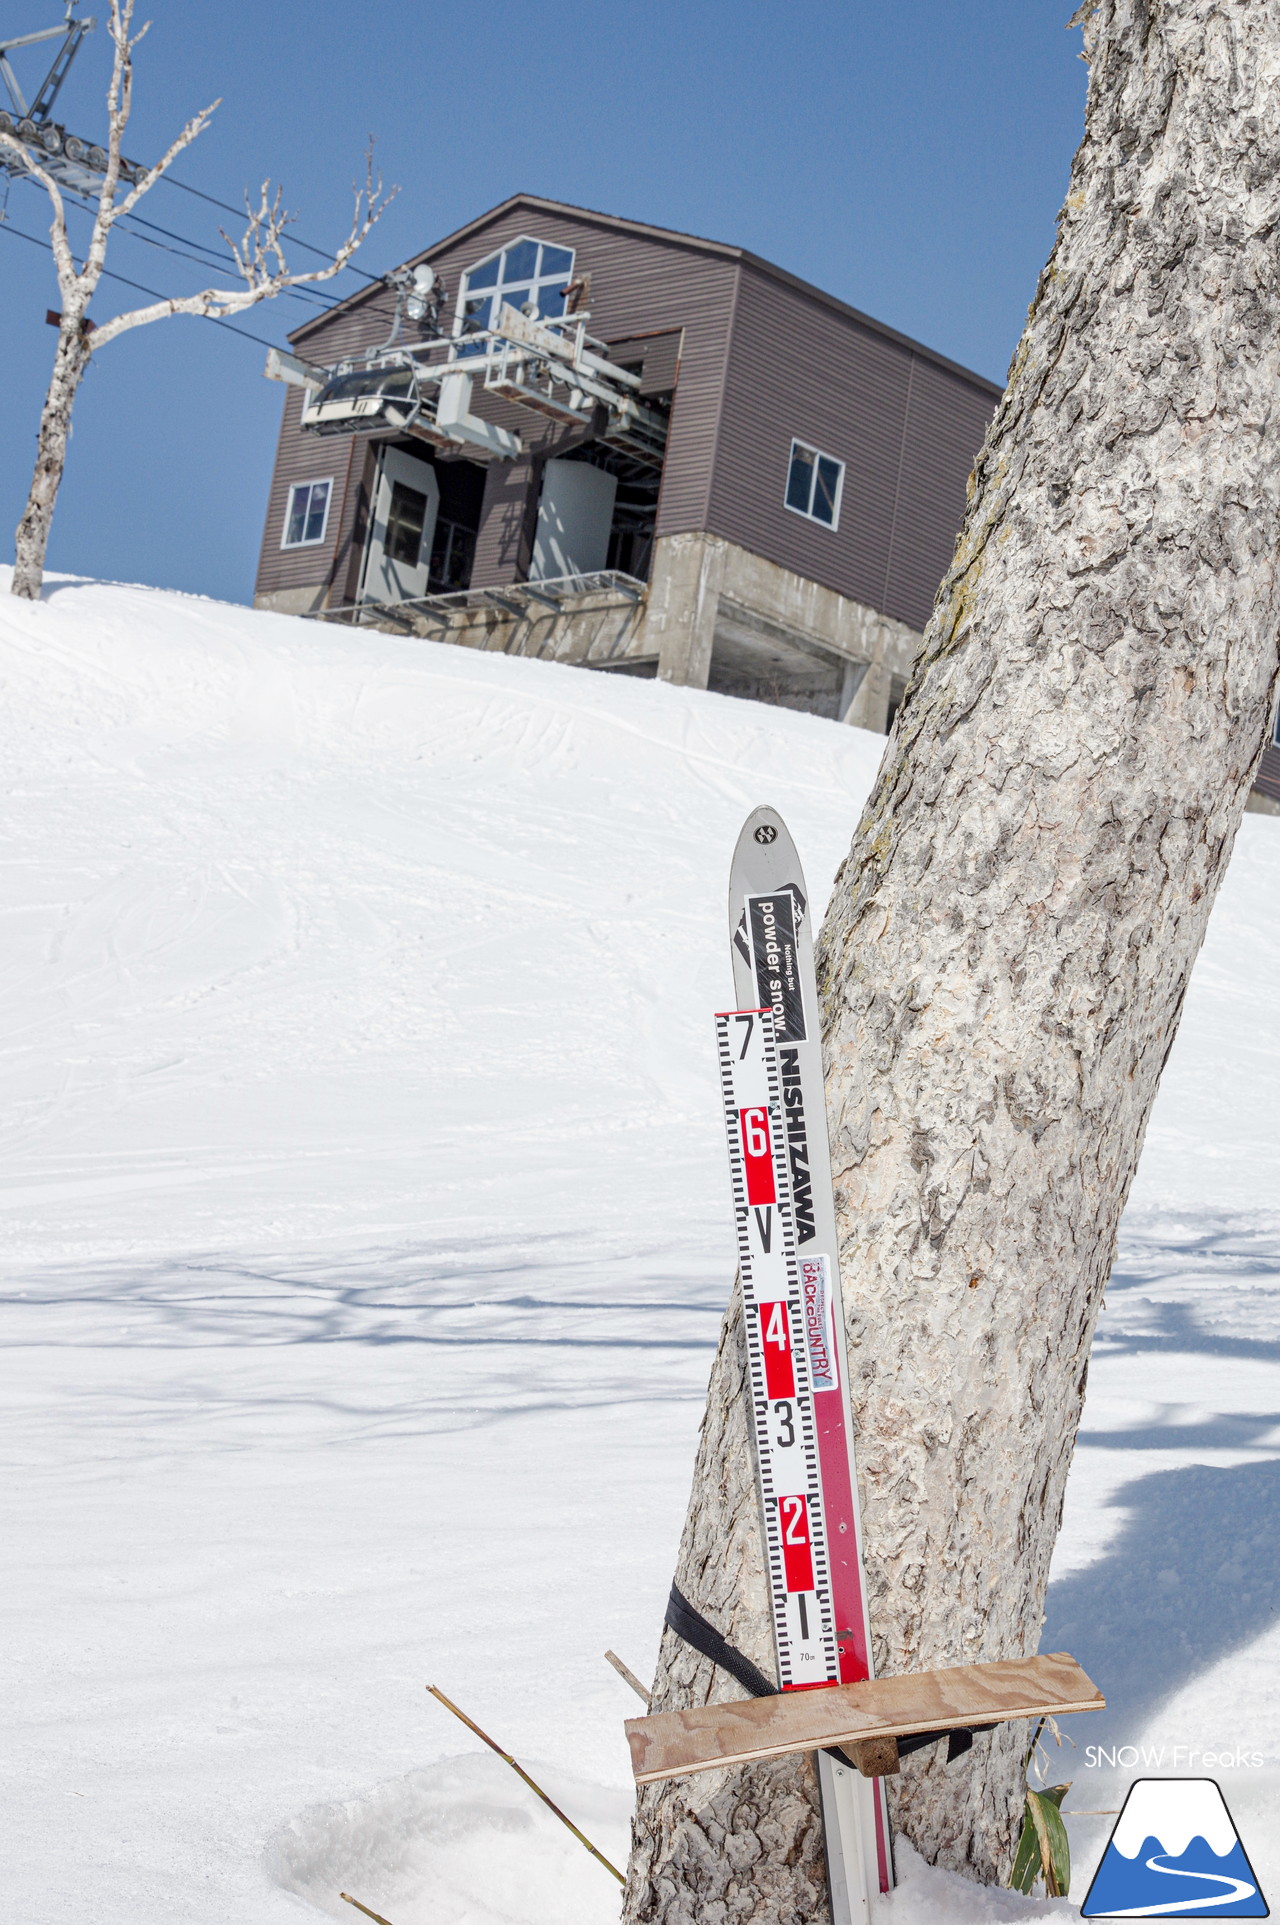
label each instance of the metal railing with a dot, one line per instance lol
(522, 601)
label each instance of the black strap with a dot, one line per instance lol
(959, 1740)
(688, 1623)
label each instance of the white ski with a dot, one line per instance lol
(822, 1631)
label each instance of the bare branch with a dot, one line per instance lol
(260, 246)
(63, 258)
(192, 131)
(119, 107)
(261, 238)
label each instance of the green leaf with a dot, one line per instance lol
(1051, 1836)
(1026, 1860)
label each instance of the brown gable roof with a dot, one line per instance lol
(695, 243)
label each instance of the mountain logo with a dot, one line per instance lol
(1174, 1853)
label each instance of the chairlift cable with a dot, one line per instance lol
(214, 265)
(7, 227)
(43, 100)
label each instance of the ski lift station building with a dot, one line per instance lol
(721, 475)
(571, 435)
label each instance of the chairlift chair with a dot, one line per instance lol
(381, 397)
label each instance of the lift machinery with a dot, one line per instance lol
(74, 163)
(426, 388)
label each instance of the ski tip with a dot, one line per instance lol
(765, 857)
(764, 826)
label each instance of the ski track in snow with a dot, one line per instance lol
(1240, 1888)
(368, 1235)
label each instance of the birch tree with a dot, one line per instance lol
(257, 257)
(1010, 938)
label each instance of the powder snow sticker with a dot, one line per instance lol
(1174, 1853)
(771, 924)
(819, 1327)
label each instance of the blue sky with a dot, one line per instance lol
(910, 158)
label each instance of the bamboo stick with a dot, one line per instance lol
(522, 1773)
(629, 1675)
(364, 1908)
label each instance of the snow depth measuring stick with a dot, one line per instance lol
(775, 1117)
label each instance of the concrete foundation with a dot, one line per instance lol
(293, 601)
(720, 617)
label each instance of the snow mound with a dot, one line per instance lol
(927, 1896)
(463, 1842)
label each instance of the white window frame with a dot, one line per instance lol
(807, 514)
(533, 282)
(311, 541)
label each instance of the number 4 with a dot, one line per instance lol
(776, 1331)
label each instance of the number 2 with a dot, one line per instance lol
(793, 1509)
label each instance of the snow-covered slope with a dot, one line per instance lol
(368, 1238)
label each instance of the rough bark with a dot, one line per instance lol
(747, 1843)
(70, 360)
(1010, 939)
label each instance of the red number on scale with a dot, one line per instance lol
(757, 1155)
(775, 1339)
(797, 1553)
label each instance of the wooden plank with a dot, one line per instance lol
(673, 1742)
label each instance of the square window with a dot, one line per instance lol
(815, 483)
(308, 514)
(555, 260)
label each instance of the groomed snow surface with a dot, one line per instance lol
(368, 1238)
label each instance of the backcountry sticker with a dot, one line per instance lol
(819, 1322)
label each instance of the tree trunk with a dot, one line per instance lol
(70, 360)
(747, 1843)
(1010, 938)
